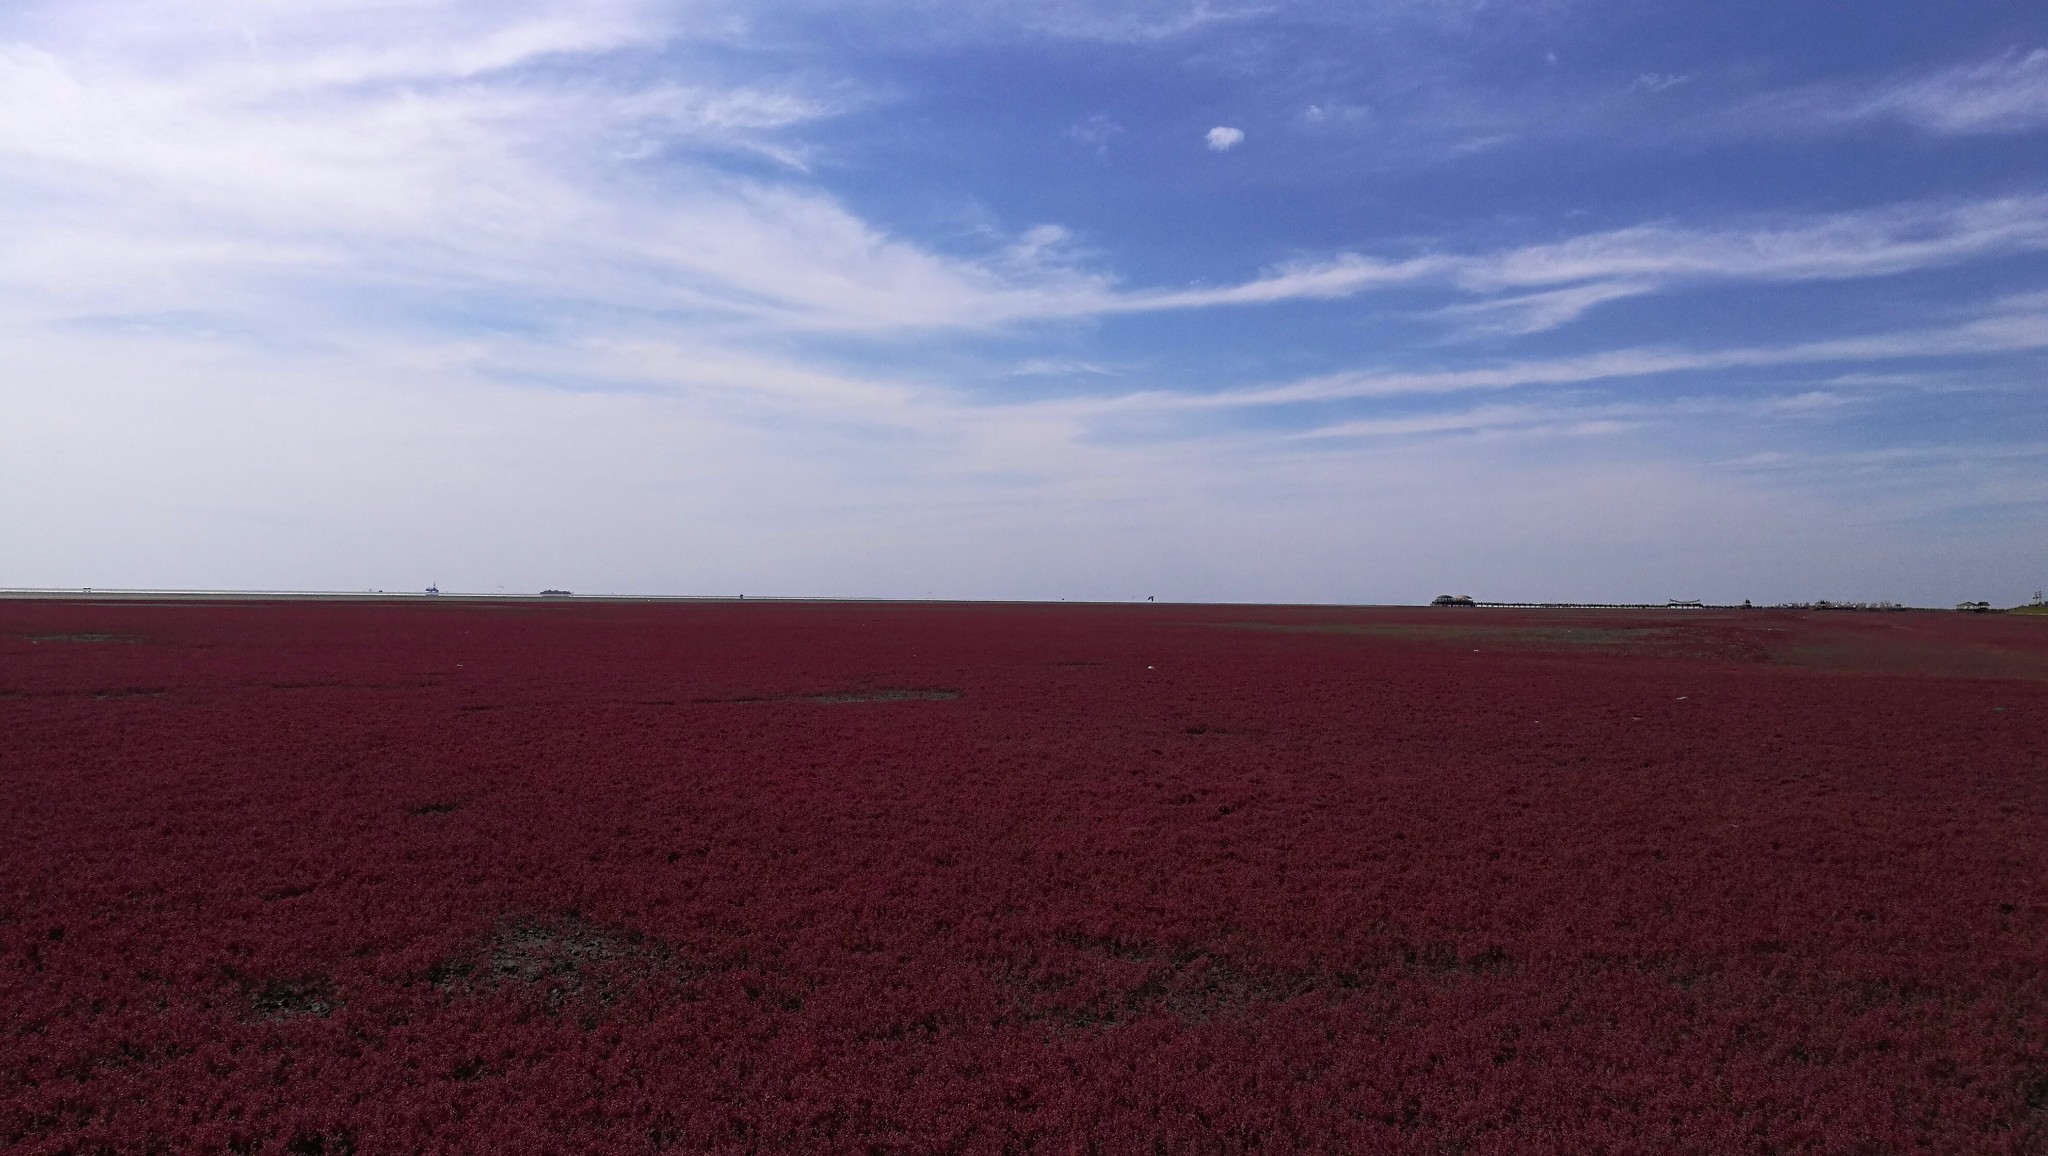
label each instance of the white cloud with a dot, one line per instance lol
(1572, 276)
(1223, 138)
(1335, 112)
(1660, 81)
(1039, 245)
(1052, 367)
(1609, 266)
(143, 177)
(2009, 94)
(1094, 131)
(1483, 419)
(1535, 312)
(1338, 277)
(1118, 22)
(1857, 244)
(2005, 94)
(2018, 324)
(1578, 418)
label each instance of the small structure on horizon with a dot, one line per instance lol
(554, 594)
(1453, 600)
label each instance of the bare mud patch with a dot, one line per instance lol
(283, 999)
(879, 694)
(1093, 983)
(88, 638)
(560, 961)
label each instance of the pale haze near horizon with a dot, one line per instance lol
(1311, 302)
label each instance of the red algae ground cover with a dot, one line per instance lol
(334, 877)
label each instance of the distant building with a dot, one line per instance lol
(1453, 600)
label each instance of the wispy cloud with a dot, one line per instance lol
(1049, 367)
(1095, 132)
(1572, 276)
(1647, 258)
(1525, 419)
(2016, 324)
(1577, 418)
(1856, 244)
(1326, 280)
(906, 23)
(1660, 81)
(1335, 112)
(1535, 312)
(2005, 94)
(1140, 22)
(357, 161)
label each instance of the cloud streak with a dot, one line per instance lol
(2018, 324)
(2006, 94)
(1578, 274)
(1572, 276)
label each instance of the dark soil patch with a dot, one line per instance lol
(883, 694)
(1089, 983)
(128, 639)
(281, 999)
(1714, 640)
(560, 961)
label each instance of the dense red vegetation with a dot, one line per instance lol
(378, 878)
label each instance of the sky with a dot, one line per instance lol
(1359, 301)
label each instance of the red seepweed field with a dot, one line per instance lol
(326, 877)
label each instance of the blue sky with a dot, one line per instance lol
(1321, 302)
